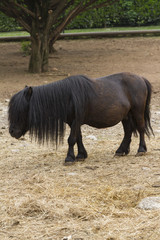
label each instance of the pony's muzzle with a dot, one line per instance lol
(15, 133)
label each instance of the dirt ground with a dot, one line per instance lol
(40, 198)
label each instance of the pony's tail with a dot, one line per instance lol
(148, 128)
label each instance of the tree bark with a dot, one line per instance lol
(39, 40)
(39, 53)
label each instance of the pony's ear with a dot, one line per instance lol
(28, 93)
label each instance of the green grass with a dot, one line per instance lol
(23, 33)
(112, 29)
(11, 34)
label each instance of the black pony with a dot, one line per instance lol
(77, 100)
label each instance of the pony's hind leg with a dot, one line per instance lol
(142, 145)
(71, 142)
(124, 147)
(82, 153)
(140, 126)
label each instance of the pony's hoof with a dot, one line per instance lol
(69, 161)
(140, 154)
(119, 154)
(80, 159)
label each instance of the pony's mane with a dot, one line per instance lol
(52, 104)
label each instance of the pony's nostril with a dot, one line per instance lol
(12, 131)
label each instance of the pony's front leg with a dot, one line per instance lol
(71, 142)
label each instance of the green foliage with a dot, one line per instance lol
(26, 48)
(94, 18)
(7, 24)
(148, 11)
(122, 13)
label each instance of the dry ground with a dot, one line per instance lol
(40, 198)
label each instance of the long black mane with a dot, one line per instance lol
(52, 104)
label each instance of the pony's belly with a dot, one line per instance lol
(103, 115)
(101, 124)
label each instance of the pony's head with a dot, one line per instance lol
(18, 113)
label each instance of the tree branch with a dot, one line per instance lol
(11, 11)
(79, 8)
(64, 22)
(26, 10)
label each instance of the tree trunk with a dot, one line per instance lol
(40, 51)
(51, 47)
